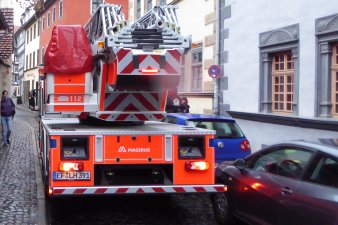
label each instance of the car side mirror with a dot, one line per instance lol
(240, 164)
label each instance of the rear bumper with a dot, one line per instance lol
(117, 190)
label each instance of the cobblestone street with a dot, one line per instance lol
(22, 200)
(18, 186)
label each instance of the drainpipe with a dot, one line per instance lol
(216, 80)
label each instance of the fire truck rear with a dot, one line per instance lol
(103, 93)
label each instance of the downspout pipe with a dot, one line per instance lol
(216, 80)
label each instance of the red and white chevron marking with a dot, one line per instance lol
(135, 106)
(129, 116)
(138, 189)
(126, 64)
(134, 102)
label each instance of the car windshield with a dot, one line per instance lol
(224, 129)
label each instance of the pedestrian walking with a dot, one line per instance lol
(7, 114)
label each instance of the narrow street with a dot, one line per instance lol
(18, 187)
(18, 194)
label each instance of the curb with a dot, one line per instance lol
(41, 219)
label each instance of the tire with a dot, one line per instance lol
(221, 208)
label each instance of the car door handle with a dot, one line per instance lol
(286, 191)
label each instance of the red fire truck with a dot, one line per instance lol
(103, 92)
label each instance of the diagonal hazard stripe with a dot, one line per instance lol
(122, 53)
(169, 68)
(155, 95)
(79, 191)
(100, 190)
(179, 189)
(122, 190)
(58, 191)
(157, 58)
(129, 68)
(139, 190)
(141, 58)
(199, 189)
(122, 117)
(159, 190)
(117, 101)
(141, 117)
(131, 108)
(145, 102)
(159, 116)
(104, 116)
(140, 101)
(150, 61)
(176, 54)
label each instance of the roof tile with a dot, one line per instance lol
(6, 36)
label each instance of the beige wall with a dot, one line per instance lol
(31, 75)
(199, 104)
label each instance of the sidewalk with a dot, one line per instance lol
(21, 192)
(23, 106)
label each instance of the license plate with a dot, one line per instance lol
(71, 175)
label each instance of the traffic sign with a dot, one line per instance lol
(214, 71)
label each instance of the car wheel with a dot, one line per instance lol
(221, 208)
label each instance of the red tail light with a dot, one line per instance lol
(70, 166)
(199, 165)
(149, 70)
(245, 145)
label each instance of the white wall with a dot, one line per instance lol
(248, 19)
(31, 73)
(191, 18)
(260, 134)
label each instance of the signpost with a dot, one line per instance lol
(214, 71)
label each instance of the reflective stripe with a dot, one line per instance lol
(139, 189)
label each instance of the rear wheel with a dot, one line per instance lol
(221, 208)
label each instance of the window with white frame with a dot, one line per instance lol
(60, 9)
(27, 39)
(48, 19)
(26, 63)
(54, 14)
(196, 70)
(30, 60)
(31, 33)
(43, 55)
(34, 28)
(43, 23)
(33, 59)
(38, 56)
(39, 27)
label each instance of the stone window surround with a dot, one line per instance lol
(277, 40)
(326, 33)
(199, 82)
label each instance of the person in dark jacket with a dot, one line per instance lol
(7, 114)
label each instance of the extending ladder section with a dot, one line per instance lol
(134, 67)
(159, 25)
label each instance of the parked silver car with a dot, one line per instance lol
(293, 183)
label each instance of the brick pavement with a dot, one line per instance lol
(21, 201)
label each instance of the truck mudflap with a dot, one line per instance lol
(117, 190)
